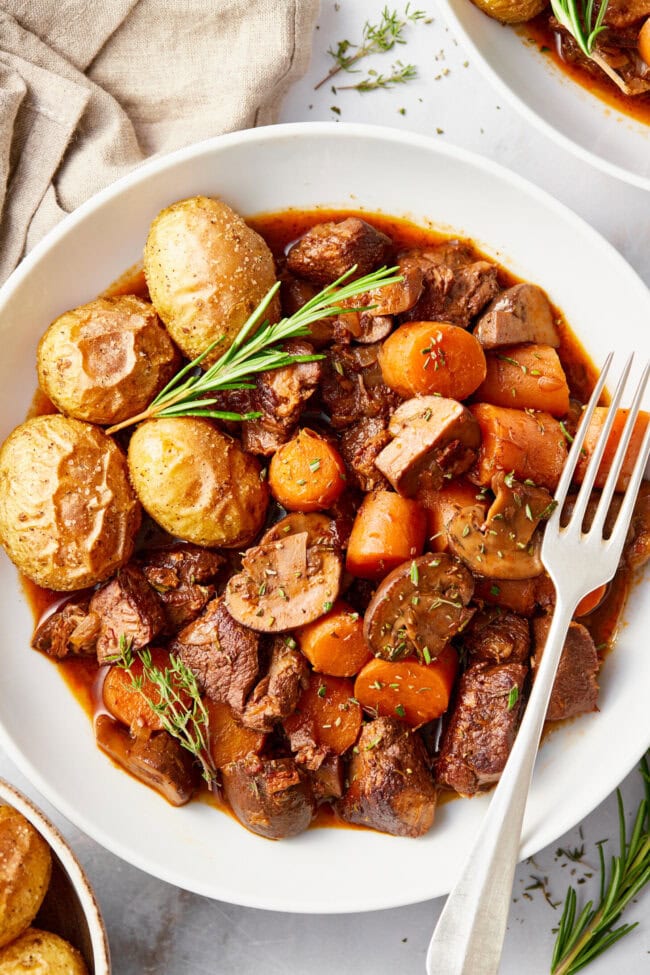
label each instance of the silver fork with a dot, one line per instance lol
(468, 938)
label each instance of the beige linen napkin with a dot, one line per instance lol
(89, 89)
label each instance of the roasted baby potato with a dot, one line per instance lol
(198, 483)
(25, 870)
(511, 11)
(206, 271)
(105, 361)
(68, 514)
(43, 953)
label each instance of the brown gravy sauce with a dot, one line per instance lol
(83, 676)
(542, 35)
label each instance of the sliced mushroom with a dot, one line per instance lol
(284, 584)
(320, 529)
(520, 314)
(419, 607)
(506, 544)
(434, 438)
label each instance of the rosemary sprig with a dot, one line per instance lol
(253, 352)
(376, 39)
(179, 705)
(400, 74)
(581, 939)
(584, 22)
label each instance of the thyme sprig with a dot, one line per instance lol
(582, 938)
(584, 20)
(179, 705)
(376, 39)
(252, 352)
(399, 74)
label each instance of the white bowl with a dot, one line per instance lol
(549, 99)
(69, 908)
(44, 728)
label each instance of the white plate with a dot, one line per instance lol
(41, 724)
(547, 97)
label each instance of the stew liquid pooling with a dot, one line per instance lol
(373, 646)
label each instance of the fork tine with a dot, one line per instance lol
(594, 461)
(576, 447)
(619, 457)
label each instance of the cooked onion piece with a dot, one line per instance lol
(196, 482)
(105, 361)
(68, 514)
(206, 271)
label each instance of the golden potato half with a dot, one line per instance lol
(68, 514)
(206, 271)
(197, 482)
(41, 953)
(105, 361)
(25, 871)
(511, 11)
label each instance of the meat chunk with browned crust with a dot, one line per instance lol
(497, 637)
(575, 690)
(391, 788)
(330, 249)
(280, 396)
(276, 695)
(271, 797)
(222, 654)
(361, 443)
(67, 631)
(353, 387)
(482, 727)
(456, 286)
(179, 574)
(128, 610)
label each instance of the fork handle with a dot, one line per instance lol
(468, 939)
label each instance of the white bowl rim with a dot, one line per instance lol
(608, 782)
(12, 796)
(536, 120)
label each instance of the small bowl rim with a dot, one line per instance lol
(12, 796)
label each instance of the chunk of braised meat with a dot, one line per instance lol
(222, 654)
(482, 727)
(327, 781)
(524, 597)
(68, 631)
(365, 327)
(520, 314)
(575, 690)
(276, 695)
(179, 574)
(127, 608)
(157, 760)
(496, 637)
(453, 292)
(391, 788)
(451, 253)
(352, 386)
(637, 548)
(618, 46)
(360, 445)
(270, 797)
(295, 293)
(419, 607)
(330, 249)
(625, 13)
(280, 396)
(433, 438)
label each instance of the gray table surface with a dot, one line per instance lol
(156, 929)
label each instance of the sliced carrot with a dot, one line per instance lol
(126, 703)
(407, 689)
(442, 505)
(531, 445)
(334, 644)
(432, 357)
(229, 740)
(527, 377)
(589, 602)
(387, 530)
(327, 713)
(307, 473)
(591, 439)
